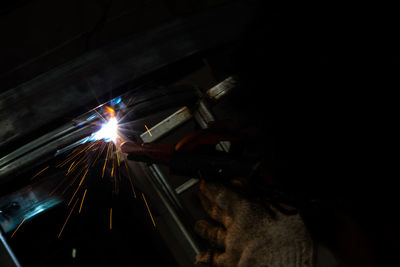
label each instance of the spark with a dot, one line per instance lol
(74, 154)
(110, 218)
(148, 130)
(105, 162)
(100, 115)
(148, 209)
(80, 183)
(70, 167)
(87, 154)
(84, 194)
(103, 145)
(76, 176)
(118, 159)
(37, 174)
(69, 215)
(77, 164)
(112, 170)
(18, 228)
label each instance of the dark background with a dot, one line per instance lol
(320, 80)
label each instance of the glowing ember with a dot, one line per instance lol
(108, 131)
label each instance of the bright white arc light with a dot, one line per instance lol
(108, 131)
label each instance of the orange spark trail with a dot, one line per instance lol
(100, 115)
(18, 228)
(77, 164)
(111, 219)
(89, 147)
(72, 182)
(84, 194)
(105, 162)
(80, 183)
(103, 145)
(37, 174)
(72, 156)
(79, 173)
(113, 165)
(151, 216)
(118, 159)
(148, 130)
(69, 169)
(69, 215)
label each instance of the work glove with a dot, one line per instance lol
(244, 233)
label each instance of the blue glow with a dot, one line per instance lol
(10, 223)
(91, 117)
(116, 101)
(42, 207)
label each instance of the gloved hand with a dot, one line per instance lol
(244, 233)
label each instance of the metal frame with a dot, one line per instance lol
(169, 197)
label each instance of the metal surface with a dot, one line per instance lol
(35, 156)
(160, 129)
(186, 185)
(162, 182)
(7, 257)
(222, 89)
(28, 202)
(45, 139)
(38, 105)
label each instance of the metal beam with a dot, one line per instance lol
(7, 257)
(160, 129)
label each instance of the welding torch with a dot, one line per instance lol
(196, 156)
(193, 156)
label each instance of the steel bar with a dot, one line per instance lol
(160, 129)
(222, 89)
(186, 185)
